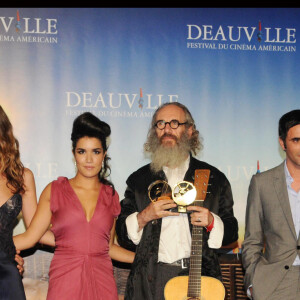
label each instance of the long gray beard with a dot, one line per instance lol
(171, 157)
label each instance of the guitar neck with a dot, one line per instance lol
(194, 285)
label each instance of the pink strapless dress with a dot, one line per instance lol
(81, 268)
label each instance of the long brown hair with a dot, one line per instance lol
(10, 164)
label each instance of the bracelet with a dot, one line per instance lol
(210, 226)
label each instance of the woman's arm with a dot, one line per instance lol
(30, 205)
(29, 199)
(40, 222)
(118, 253)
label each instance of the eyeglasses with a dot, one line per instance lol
(174, 124)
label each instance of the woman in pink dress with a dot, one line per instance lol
(82, 212)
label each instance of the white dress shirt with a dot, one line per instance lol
(294, 198)
(175, 237)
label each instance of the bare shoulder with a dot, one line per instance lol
(46, 191)
(28, 175)
(29, 181)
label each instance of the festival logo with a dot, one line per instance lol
(221, 37)
(117, 105)
(23, 29)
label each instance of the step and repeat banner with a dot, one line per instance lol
(236, 69)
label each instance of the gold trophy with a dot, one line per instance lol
(159, 190)
(183, 193)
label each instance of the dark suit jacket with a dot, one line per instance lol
(269, 222)
(219, 200)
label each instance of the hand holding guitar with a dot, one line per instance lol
(195, 286)
(200, 216)
(156, 210)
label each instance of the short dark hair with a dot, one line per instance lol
(287, 121)
(88, 125)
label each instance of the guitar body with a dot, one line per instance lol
(211, 289)
(195, 286)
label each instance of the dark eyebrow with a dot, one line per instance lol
(98, 148)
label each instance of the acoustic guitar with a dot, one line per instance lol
(195, 286)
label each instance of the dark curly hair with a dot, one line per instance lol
(88, 125)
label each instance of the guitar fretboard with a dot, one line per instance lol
(194, 285)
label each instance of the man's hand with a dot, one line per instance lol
(156, 210)
(20, 262)
(200, 216)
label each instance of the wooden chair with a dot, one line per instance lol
(233, 276)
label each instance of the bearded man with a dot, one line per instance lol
(160, 235)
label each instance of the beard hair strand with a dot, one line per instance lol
(170, 156)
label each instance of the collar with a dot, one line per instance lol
(288, 177)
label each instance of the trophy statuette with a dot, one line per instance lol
(183, 193)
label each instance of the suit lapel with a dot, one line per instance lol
(282, 194)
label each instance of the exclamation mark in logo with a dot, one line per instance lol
(141, 101)
(259, 35)
(18, 24)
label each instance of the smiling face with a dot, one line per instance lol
(89, 156)
(169, 136)
(292, 147)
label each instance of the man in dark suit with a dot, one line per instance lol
(271, 245)
(160, 236)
